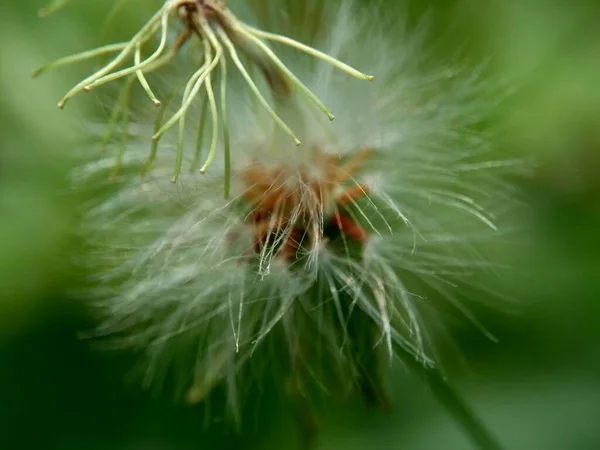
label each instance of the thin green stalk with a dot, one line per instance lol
(211, 96)
(115, 62)
(157, 124)
(187, 97)
(191, 83)
(80, 57)
(253, 86)
(281, 66)
(154, 146)
(311, 51)
(179, 155)
(215, 131)
(138, 66)
(252, 73)
(226, 141)
(142, 78)
(200, 76)
(200, 135)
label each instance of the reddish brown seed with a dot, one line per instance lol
(350, 228)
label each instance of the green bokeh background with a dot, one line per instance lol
(538, 388)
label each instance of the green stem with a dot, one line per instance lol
(226, 143)
(200, 136)
(449, 397)
(154, 145)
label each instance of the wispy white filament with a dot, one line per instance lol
(403, 165)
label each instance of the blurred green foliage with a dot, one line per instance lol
(538, 388)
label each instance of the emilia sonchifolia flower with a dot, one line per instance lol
(323, 258)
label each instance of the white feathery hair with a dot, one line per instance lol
(170, 261)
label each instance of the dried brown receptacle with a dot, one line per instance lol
(295, 209)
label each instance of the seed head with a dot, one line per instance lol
(325, 258)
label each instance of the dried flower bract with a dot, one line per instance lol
(222, 35)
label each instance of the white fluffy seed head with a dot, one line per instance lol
(397, 193)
